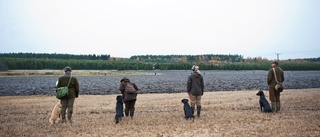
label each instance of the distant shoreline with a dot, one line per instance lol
(74, 72)
(48, 72)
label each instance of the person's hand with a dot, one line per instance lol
(77, 95)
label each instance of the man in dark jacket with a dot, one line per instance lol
(73, 92)
(273, 94)
(129, 97)
(195, 87)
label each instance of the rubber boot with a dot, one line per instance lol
(274, 106)
(70, 117)
(192, 110)
(69, 120)
(278, 106)
(131, 114)
(198, 111)
(63, 121)
(126, 113)
(63, 117)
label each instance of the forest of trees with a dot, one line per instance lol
(55, 56)
(34, 61)
(313, 59)
(207, 58)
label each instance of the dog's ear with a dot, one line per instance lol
(260, 93)
(184, 100)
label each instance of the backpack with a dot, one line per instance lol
(130, 88)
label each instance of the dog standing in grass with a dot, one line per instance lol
(188, 115)
(119, 109)
(263, 102)
(55, 114)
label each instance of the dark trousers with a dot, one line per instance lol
(129, 106)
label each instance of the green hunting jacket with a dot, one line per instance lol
(271, 78)
(195, 84)
(127, 96)
(73, 86)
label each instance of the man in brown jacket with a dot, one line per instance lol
(195, 87)
(273, 94)
(129, 97)
(73, 92)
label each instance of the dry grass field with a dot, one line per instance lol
(224, 114)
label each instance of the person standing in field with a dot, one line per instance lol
(73, 92)
(195, 88)
(273, 94)
(129, 93)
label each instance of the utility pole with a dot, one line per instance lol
(278, 56)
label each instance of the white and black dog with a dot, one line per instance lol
(263, 102)
(119, 109)
(188, 115)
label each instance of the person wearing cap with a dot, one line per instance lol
(129, 99)
(73, 92)
(195, 87)
(271, 80)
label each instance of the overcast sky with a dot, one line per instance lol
(122, 28)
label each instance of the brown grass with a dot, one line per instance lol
(224, 114)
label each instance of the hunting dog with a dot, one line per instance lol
(119, 109)
(263, 102)
(188, 115)
(55, 114)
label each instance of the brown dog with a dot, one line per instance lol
(55, 115)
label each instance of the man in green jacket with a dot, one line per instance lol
(195, 87)
(273, 94)
(73, 92)
(129, 99)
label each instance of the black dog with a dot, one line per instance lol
(263, 102)
(188, 115)
(119, 109)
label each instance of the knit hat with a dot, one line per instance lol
(67, 68)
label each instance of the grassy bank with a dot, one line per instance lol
(224, 114)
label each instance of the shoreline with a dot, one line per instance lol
(22, 73)
(162, 82)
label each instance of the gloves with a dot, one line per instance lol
(77, 95)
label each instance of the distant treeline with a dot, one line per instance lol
(55, 56)
(34, 61)
(36, 64)
(20, 63)
(207, 58)
(313, 59)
